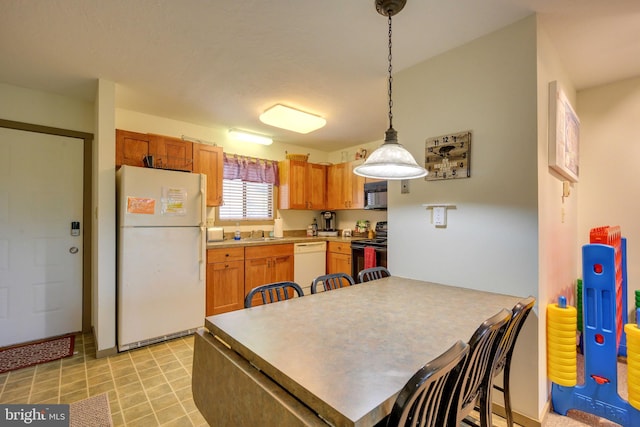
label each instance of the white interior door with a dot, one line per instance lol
(41, 190)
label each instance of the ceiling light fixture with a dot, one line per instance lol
(391, 160)
(292, 119)
(245, 136)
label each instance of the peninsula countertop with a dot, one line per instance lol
(347, 353)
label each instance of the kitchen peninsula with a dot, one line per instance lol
(340, 356)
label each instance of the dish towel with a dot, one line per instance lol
(369, 256)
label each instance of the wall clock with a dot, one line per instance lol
(448, 156)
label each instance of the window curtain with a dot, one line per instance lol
(249, 169)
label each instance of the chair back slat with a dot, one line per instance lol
(273, 292)
(478, 366)
(373, 273)
(508, 341)
(503, 359)
(425, 398)
(331, 281)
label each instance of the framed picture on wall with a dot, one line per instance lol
(564, 134)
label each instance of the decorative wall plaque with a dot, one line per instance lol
(564, 134)
(448, 156)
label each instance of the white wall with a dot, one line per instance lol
(491, 241)
(104, 227)
(45, 109)
(557, 216)
(609, 149)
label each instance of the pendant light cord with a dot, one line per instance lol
(390, 79)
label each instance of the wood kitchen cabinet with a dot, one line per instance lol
(207, 159)
(303, 185)
(225, 280)
(347, 188)
(172, 153)
(132, 147)
(267, 264)
(338, 257)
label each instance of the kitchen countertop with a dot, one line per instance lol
(349, 373)
(279, 241)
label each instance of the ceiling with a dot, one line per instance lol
(221, 63)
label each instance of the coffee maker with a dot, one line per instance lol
(328, 222)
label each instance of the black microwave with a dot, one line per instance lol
(375, 195)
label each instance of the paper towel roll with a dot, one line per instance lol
(277, 227)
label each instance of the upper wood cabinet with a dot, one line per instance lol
(172, 153)
(132, 147)
(346, 188)
(207, 159)
(167, 152)
(302, 185)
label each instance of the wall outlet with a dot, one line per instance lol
(211, 222)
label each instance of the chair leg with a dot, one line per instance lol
(486, 416)
(507, 398)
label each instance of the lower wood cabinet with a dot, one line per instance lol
(267, 264)
(338, 257)
(233, 272)
(225, 280)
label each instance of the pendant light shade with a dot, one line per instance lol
(391, 160)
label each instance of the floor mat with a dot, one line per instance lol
(91, 412)
(33, 353)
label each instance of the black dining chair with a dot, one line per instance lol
(503, 358)
(332, 281)
(373, 273)
(425, 398)
(273, 292)
(477, 367)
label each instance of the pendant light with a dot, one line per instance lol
(391, 160)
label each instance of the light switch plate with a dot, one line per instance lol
(439, 216)
(404, 186)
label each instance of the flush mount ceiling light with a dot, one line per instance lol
(391, 160)
(245, 136)
(292, 119)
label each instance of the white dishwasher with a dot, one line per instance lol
(309, 262)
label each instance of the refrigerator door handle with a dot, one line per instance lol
(203, 253)
(203, 223)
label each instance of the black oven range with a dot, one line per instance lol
(379, 243)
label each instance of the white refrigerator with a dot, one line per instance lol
(161, 255)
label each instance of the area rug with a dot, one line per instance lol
(33, 353)
(91, 412)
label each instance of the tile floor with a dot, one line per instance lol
(146, 387)
(150, 386)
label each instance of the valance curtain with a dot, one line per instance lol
(250, 169)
